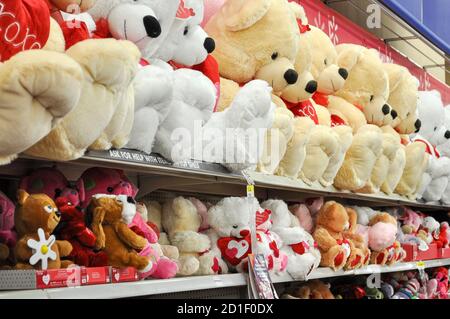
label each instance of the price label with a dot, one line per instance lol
(250, 190)
(420, 265)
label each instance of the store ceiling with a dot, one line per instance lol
(398, 34)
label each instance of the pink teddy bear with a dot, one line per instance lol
(54, 184)
(7, 234)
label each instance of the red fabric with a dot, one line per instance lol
(184, 12)
(303, 109)
(24, 25)
(441, 241)
(74, 35)
(321, 99)
(337, 120)
(230, 253)
(82, 238)
(300, 248)
(102, 29)
(303, 27)
(262, 217)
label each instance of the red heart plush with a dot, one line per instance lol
(234, 250)
(300, 248)
(262, 217)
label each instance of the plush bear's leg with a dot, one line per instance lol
(144, 130)
(379, 257)
(354, 260)
(334, 258)
(189, 265)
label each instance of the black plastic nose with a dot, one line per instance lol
(58, 213)
(311, 87)
(210, 45)
(394, 114)
(386, 109)
(418, 125)
(291, 76)
(447, 135)
(152, 26)
(131, 200)
(343, 73)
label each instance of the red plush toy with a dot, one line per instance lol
(74, 230)
(442, 239)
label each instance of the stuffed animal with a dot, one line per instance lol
(35, 219)
(82, 239)
(8, 236)
(314, 289)
(54, 184)
(432, 116)
(239, 29)
(99, 180)
(108, 68)
(231, 238)
(45, 83)
(298, 245)
(331, 223)
(182, 222)
(441, 276)
(361, 246)
(443, 236)
(120, 244)
(443, 147)
(303, 216)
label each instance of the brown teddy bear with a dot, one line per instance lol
(34, 213)
(116, 239)
(331, 225)
(314, 289)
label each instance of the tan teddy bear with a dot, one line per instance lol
(108, 67)
(337, 251)
(314, 289)
(258, 39)
(34, 213)
(182, 222)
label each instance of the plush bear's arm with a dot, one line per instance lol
(22, 251)
(291, 236)
(190, 241)
(129, 237)
(324, 239)
(65, 248)
(356, 238)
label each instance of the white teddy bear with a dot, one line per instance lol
(230, 234)
(432, 116)
(298, 244)
(444, 149)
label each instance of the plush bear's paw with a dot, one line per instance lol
(188, 265)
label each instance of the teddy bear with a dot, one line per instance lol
(113, 236)
(314, 289)
(360, 245)
(8, 235)
(35, 74)
(74, 230)
(35, 219)
(108, 67)
(53, 183)
(182, 222)
(235, 27)
(298, 244)
(431, 114)
(380, 236)
(231, 236)
(337, 251)
(443, 147)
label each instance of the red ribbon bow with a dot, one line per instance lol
(303, 27)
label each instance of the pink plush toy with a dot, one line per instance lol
(7, 234)
(98, 180)
(304, 217)
(202, 210)
(53, 183)
(211, 7)
(411, 221)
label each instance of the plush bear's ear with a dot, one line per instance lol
(299, 12)
(395, 73)
(349, 56)
(22, 196)
(242, 14)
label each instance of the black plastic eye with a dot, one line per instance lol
(435, 128)
(325, 62)
(186, 30)
(235, 226)
(110, 189)
(275, 56)
(371, 98)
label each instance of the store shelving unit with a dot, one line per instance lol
(177, 285)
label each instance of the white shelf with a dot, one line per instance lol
(158, 287)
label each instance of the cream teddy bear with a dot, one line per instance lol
(443, 148)
(298, 244)
(44, 84)
(370, 96)
(108, 68)
(182, 222)
(258, 39)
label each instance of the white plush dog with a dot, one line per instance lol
(444, 149)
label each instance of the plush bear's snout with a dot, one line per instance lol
(311, 87)
(210, 45)
(344, 73)
(291, 76)
(152, 26)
